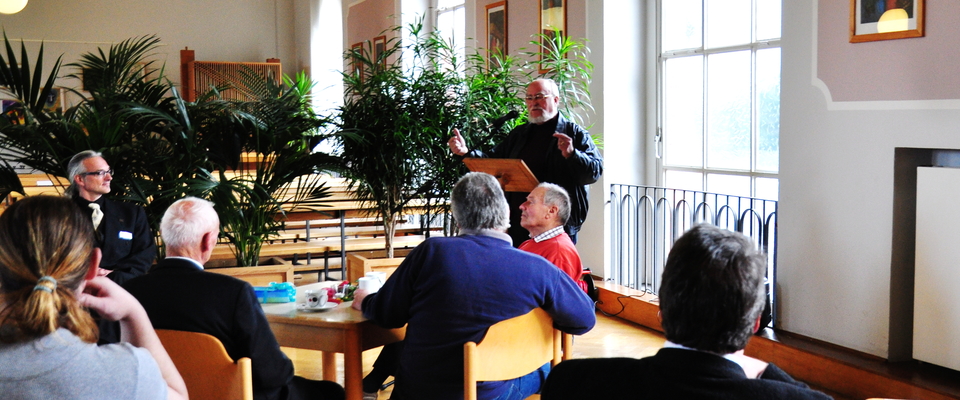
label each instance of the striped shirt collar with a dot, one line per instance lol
(549, 234)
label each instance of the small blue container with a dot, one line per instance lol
(276, 293)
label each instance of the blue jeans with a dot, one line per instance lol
(524, 386)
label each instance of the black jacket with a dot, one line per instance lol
(670, 374)
(124, 237)
(178, 295)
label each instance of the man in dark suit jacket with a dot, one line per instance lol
(123, 232)
(711, 297)
(177, 294)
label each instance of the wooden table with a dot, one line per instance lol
(340, 330)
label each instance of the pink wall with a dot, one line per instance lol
(367, 19)
(924, 68)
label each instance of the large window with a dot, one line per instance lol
(451, 24)
(719, 66)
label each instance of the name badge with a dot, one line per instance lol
(125, 235)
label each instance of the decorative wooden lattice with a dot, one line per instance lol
(200, 76)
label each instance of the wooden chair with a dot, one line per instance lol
(513, 348)
(206, 368)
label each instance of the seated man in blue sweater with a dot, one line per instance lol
(710, 301)
(449, 290)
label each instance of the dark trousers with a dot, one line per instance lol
(386, 365)
(301, 388)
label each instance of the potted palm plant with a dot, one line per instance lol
(164, 148)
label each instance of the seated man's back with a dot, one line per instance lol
(670, 374)
(179, 296)
(711, 298)
(450, 290)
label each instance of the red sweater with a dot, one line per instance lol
(560, 251)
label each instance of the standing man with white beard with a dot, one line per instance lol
(556, 150)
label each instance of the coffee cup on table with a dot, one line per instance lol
(369, 284)
(381, 277)
(316, 298)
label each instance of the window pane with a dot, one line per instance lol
(680, 24)
(768, 188)
(683, 112)
(768, 110)
(768, 19)
(729, 184)
(445, 24)
(728, 110)
(683, 180)
(727, 22)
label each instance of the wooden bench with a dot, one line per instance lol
(36, 184)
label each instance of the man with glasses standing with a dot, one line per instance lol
(556, 150)
(123, 233)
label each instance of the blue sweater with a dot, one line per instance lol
(449, 290)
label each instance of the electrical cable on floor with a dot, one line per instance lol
(624, 306)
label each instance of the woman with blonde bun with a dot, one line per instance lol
(48, 274)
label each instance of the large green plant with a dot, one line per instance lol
(282, 132)
(392, 119)
(164, 148)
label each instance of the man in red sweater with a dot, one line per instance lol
(543, 214)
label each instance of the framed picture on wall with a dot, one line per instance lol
(356, 63)
(380, 47)
(553, 21)
(872, 20)
(496, 31)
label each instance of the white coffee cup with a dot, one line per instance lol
(369, 284)
(316, 298)
(379, 276)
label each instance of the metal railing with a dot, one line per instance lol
(646, 220)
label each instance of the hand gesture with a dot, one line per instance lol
(109, 299)
(565, 144)
(457, 145)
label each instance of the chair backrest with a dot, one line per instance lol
(205, 366)
(511, 349)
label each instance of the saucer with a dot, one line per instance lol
(303, 307)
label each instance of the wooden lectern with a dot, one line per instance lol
(512, 173)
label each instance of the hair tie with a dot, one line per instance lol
(41, 286)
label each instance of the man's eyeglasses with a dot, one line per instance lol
(99, 173)
(537, 97)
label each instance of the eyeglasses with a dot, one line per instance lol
(537, 97)
(99, 173)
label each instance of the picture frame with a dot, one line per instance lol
(380, 47)
(496, 31)
(871, 20)
(355, 63)
(553, 20)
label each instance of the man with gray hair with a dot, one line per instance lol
(543, 215)
(556, 150)
(122, 230)
(711, 297)
(449, 290)
(179, 295)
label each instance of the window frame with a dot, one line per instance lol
(661, 58)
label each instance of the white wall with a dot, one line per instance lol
(218, 30)
(836, 192)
